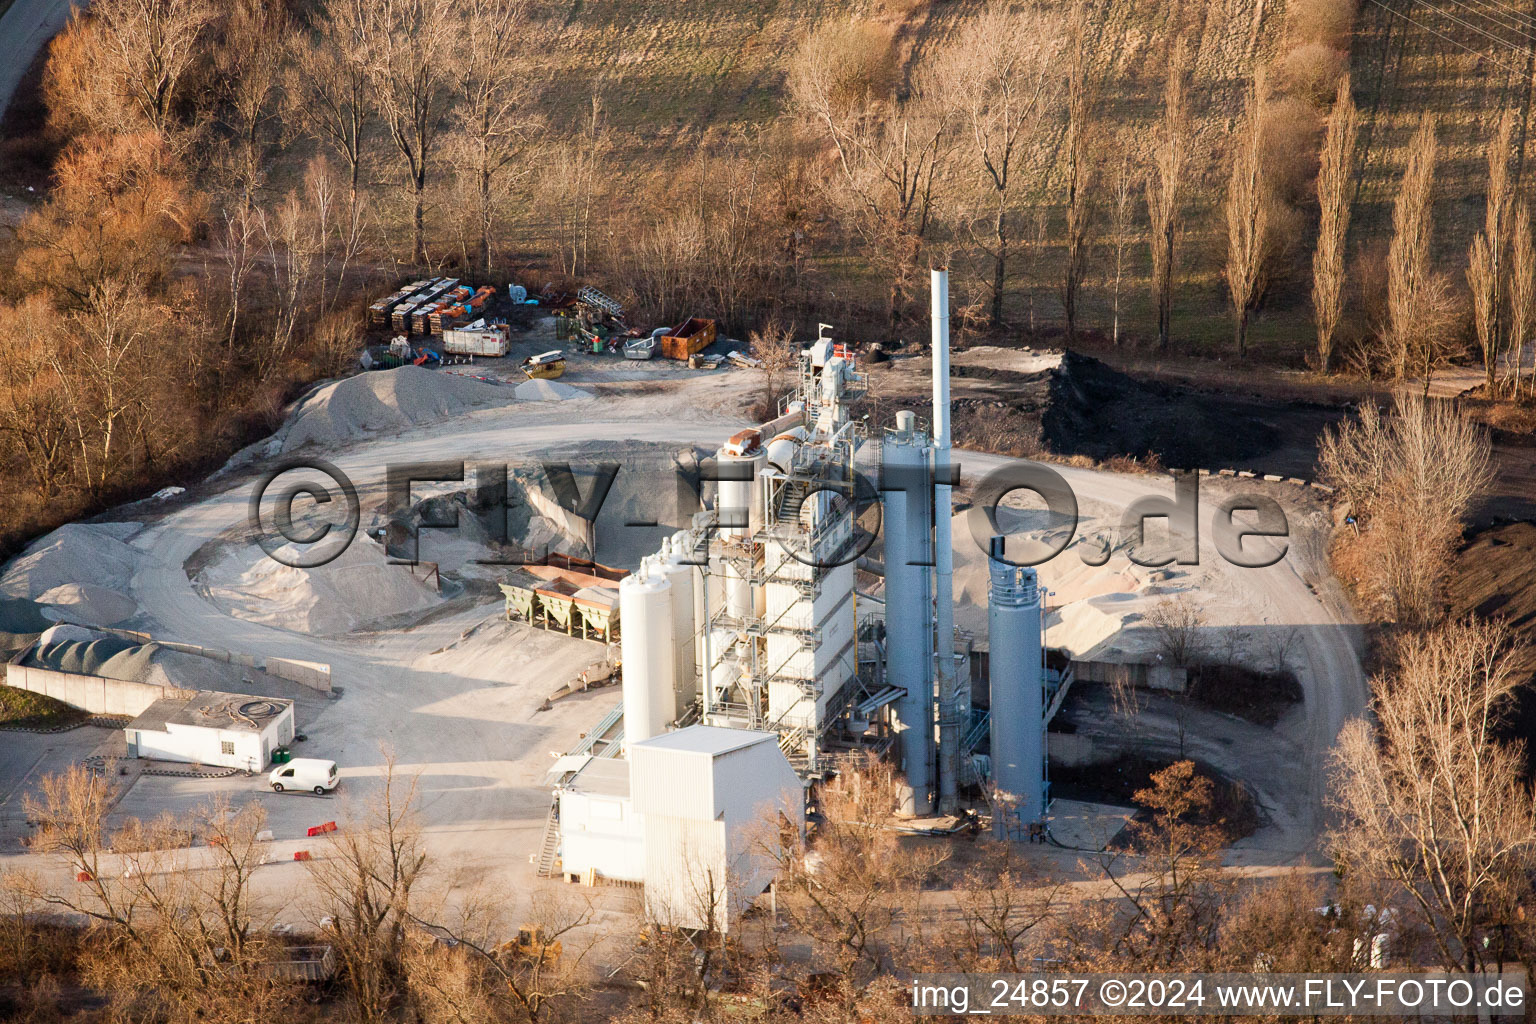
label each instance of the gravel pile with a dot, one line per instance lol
(73, 554)
(384, 400)
(548, 391)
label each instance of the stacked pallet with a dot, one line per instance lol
(379, 312)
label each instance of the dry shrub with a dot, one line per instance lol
(1320, 21)
(1311, 72)
(1409, 480)
(848, 62)
(1290, 130)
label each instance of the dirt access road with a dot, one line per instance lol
(473, 731)
(25, 28)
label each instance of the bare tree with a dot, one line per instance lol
(364, 880)
(1005, 908)
(1177, 626)
(148, 47)
(1165, 185)
(34, 416)
(996, 77)
(1435, 805)
(851, 885)
(1409, 479)
(1487, 263)
(1168, 915)
(289, 245)
(1123, 191)
(492, 112)
(889, 149)
(413, 47)
(182, 919)
(250, 72)
(1082, 170)
(1249, 211)
(1409, 282)
(1335, 178)
(774, 346)
(329, 88)
(1522, 292)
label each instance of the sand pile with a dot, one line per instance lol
(359, 587)
(381, 401)
(654, 494)
(88, 603)
(548, 391)
(76, 649)
(74, 553)
(1096, 611)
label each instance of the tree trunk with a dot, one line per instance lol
(420, 243)
(999, 266)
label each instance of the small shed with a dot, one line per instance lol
(229, 729)
(712, 804)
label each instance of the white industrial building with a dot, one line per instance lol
(693, 815)
(228, 729)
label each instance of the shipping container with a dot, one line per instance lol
(693, 336)
(476, 341)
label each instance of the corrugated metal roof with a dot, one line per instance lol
(602, 776)
(707, 740)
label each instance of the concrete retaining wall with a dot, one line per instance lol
(1155, 677)
(94, 694)
(571, 524)
(313, 674)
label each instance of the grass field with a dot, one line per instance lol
(673, 78)
(33, 710)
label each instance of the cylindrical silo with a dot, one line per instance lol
(645, 614)
(1016, 677)
(737, 499)
(907, 525)
(679, 574)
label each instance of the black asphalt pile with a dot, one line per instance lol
(1100, 412)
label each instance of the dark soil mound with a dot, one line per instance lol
(1102, 413)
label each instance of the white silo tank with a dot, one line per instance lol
(645, 617)
(680, 575)
(1016, 677)
(739, 498)
(906, 525)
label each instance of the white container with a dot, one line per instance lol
(484, 342)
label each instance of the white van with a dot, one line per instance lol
(304, 773)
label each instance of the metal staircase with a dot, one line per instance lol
(549, 852)
(792, 499)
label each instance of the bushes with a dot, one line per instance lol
(1312, 71)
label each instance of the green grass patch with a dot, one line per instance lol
(34, 710)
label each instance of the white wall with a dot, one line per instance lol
(707, 821)
(96, 694)
(193, 744)
(600, 833)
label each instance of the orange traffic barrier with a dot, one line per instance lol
(314, 830)
(329, 826)
(301, 855)
(84, 876)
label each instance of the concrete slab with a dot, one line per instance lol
(1086, 826)
(25, 758)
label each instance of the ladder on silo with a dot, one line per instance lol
(549, 852)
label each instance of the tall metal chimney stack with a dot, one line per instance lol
(944, 560)
(1017, 683)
